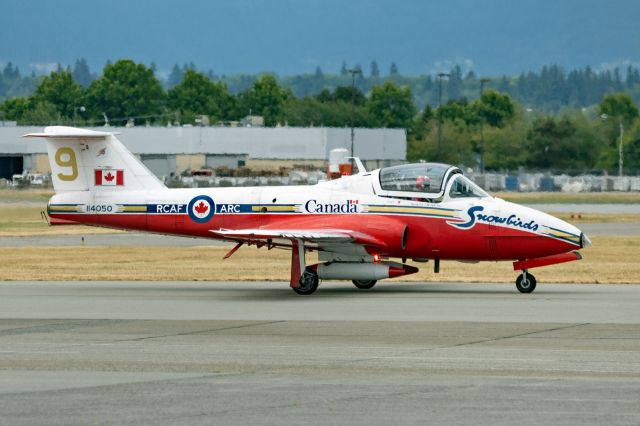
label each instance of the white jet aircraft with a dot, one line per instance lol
(357, 224)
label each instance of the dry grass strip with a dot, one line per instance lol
(610, 260)
(22, 221)
(571, 198)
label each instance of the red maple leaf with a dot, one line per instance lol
(109, 177)
(201, 208)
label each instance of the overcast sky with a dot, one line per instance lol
(288, 36)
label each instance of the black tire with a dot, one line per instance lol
(364, 284)
(526, 286)
(309, 282)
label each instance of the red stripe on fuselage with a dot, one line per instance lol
(425, 237)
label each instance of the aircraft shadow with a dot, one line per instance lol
(279, 291)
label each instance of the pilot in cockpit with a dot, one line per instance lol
(423, 184)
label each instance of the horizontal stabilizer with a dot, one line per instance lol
(63, 132)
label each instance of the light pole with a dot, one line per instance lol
(75, 113)
(440, 75)
(620, 156)
(353, 72)
(620, 159)
(482, 82)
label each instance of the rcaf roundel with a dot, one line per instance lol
(201, 208)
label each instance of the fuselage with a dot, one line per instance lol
(356, 224)
(466, 228)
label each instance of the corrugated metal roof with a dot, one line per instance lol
(258, 142)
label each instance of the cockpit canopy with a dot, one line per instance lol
(424, 177)
(427, 181)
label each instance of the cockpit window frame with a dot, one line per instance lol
(414, 195)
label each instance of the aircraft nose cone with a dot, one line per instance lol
(584, 240)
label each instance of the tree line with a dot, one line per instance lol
(552, 89)
(509, 133)
(128, 91)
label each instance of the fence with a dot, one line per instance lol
(530, 182)
(523, 182)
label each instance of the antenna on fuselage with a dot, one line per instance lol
(359, 165)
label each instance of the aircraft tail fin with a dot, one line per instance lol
(88, 160)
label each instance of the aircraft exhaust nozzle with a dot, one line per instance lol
(362, 271)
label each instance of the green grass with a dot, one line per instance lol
(570, 198)
(25, 195)
(597, 217)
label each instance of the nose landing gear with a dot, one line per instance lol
(526, 282)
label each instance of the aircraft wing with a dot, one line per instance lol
(312, 236)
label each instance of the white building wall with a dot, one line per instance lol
(256, 142)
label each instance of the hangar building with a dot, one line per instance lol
(172, 150)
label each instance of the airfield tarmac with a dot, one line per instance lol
(251, 352)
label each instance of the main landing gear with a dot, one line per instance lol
(304, 281)
(364, 284)
(308, 283)
(526, 282)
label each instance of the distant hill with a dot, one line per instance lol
(289, 37)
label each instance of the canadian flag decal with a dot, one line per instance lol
(109, 177)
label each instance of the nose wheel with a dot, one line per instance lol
(526, 282)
